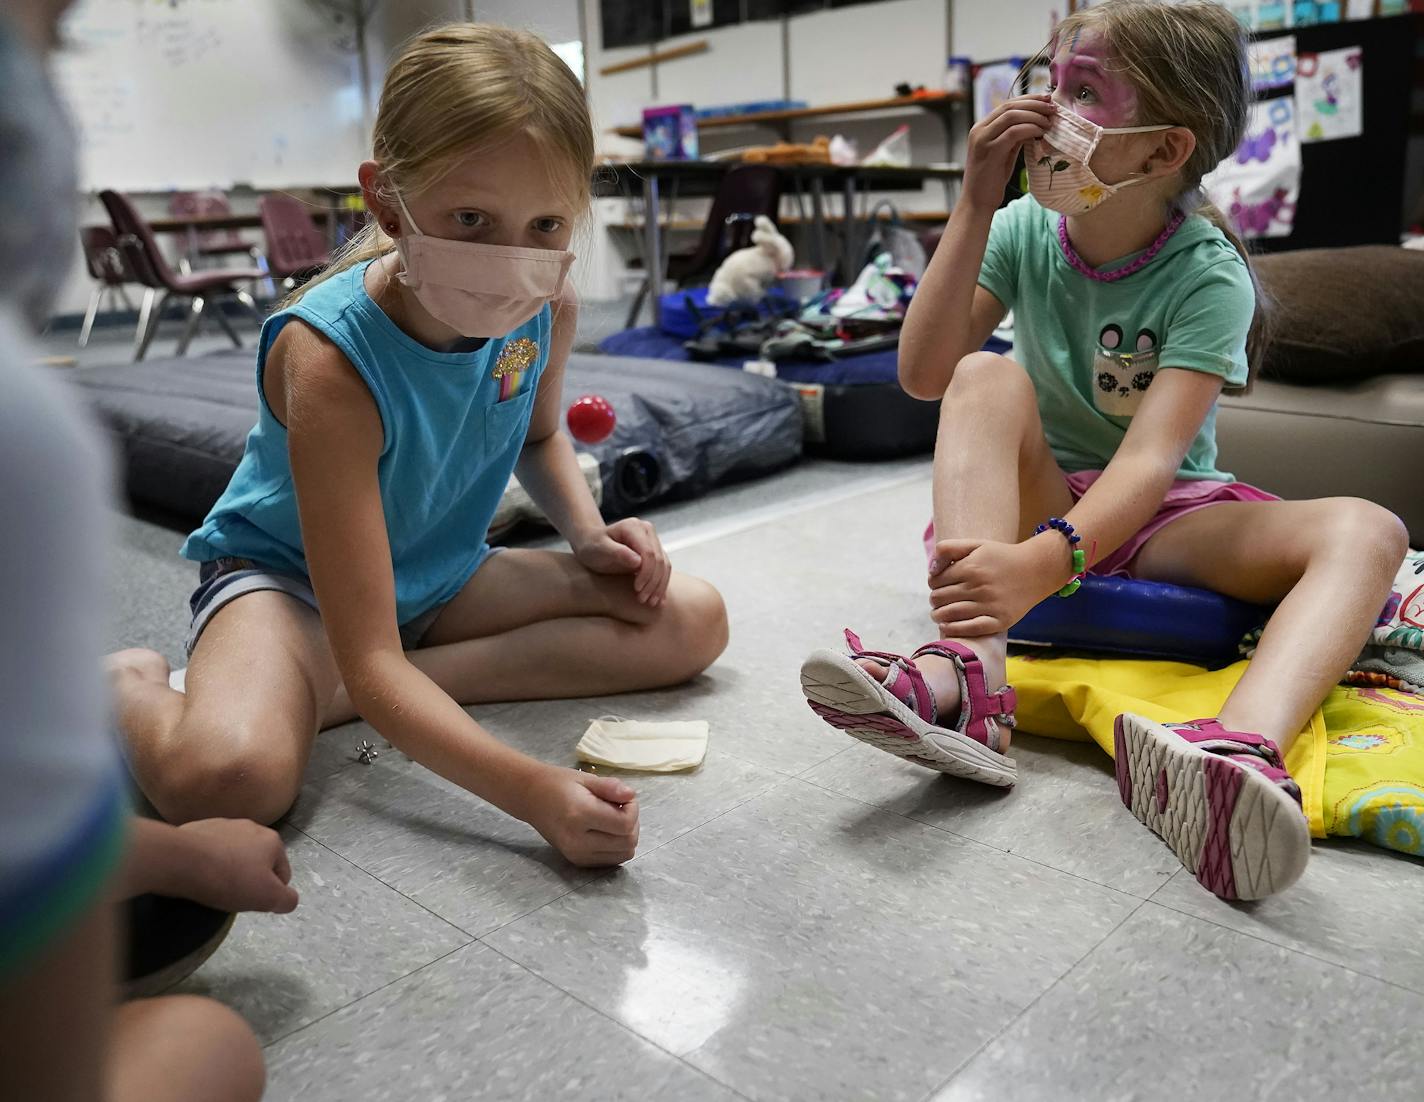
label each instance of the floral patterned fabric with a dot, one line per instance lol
(1359, 762)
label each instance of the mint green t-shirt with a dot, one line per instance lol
(1092, 349)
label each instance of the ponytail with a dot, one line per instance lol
(1258, 338)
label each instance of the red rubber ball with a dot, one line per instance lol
(591, 419)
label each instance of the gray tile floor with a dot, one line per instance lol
(807, 918)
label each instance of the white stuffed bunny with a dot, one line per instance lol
(746, 274)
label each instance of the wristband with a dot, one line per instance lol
(1080, 558)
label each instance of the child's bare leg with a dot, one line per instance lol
(56, 1010)
(536, 625)
(183, 1048)
(1329, 563)
(236, 743)
(67, 1040)
(529, 625)
(994, 478)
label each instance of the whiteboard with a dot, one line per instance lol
(212, 93)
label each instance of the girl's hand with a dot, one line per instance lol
(238, 865)
(592, 821)
(629, 547)
(981, 587)
(994, 144)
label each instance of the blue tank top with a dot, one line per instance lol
(453, 427)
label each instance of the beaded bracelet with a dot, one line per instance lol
(1080, 558)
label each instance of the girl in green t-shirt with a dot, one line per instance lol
(1134, 306)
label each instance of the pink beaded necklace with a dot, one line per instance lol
(1077, 263)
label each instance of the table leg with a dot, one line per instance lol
(852, 234)
(818, 222)
(653, 244)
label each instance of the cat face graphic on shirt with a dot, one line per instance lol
(1123, 368)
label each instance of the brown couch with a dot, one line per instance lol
(1339, 407)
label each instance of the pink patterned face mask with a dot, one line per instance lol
(479, 290)
(1058, 173)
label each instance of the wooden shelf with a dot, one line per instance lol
(917, 217)
(655, 58)
(940, 102)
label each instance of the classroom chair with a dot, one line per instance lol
(743, 193)
(140, 248)
(109, 270)
(296, 249)
(211, 243)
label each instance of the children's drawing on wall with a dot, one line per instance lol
(994, 83)
(1259, 186)
(1272, 15)
(1272, 62)
(1037, 80)
(1329, 95)
(1275, 15)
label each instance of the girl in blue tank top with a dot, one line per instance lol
(346, 571)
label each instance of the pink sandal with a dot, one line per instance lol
(899, 715)
(1222, 800)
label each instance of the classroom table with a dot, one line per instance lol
(701, 177)
(855, 179)
(179, 223)
(195, 224)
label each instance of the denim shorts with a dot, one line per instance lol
(222, 581)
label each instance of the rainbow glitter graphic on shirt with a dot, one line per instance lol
(515, 360)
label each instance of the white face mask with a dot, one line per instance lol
(1058, 173)
(479, 290)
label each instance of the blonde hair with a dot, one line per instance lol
(1187, 62)
(467, 86)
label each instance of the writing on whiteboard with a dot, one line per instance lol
(210, 93)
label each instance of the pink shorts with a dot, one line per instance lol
(1186, 496)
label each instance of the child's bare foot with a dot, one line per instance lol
(943, 680)
(142, 696)
(136, 664)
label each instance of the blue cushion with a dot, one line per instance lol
(1142, 619)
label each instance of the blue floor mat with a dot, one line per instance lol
(649, 342)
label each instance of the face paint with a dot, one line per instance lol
(1083, 75)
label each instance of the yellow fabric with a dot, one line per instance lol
(1375, 767)
(1359, 764)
